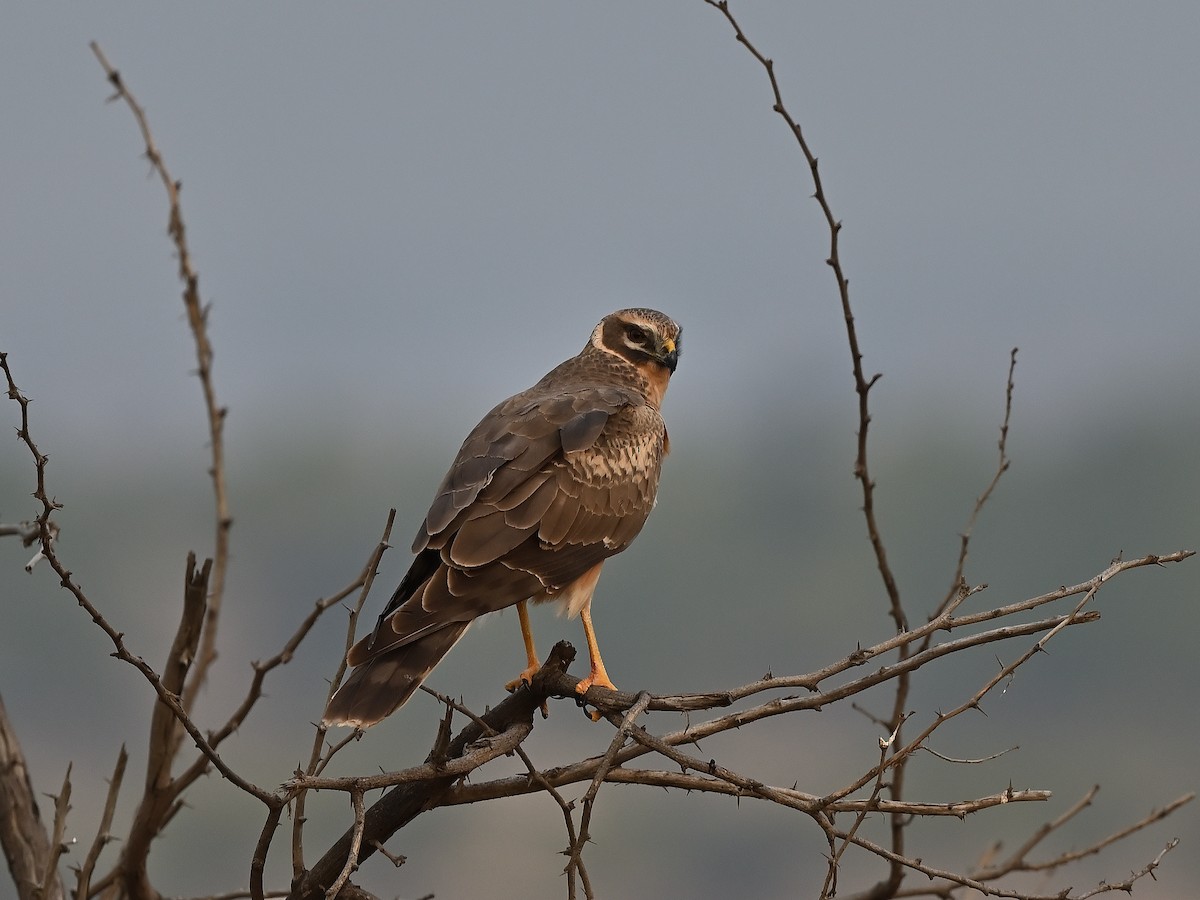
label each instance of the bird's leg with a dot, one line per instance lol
(598, 675)
(531, 656)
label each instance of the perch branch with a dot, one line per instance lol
(406, 801)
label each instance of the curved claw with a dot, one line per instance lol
(525, 678)
(599, 678)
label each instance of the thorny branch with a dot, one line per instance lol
(197, 315)
(202, 595)
(624, 729)
(318, 760)
(895, 786)
(862, 387)
(159, 800)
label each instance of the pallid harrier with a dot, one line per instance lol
(550, 484)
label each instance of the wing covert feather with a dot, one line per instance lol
(542, 489)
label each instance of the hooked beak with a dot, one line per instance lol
(669, 355)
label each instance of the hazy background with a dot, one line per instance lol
(403, 213)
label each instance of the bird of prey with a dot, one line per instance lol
(550, 484)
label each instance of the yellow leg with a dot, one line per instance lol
(598, 675)
(531, 656)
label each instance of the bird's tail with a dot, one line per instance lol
(382, 684)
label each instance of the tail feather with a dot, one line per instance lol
(382, 684)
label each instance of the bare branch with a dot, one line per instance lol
(403, 803)
(956, 582)
(23, 836)
(809, 803)
(1017, 862)
(575, 865)
(968, 762)
(861, 384)
(160, 796)
(258, 860)
(575, 851)
(165, 734)
(62, 806)
(197, 315)
(486, 749)
(360, 814)
(318, 761)
(365, 581)
(67, 581)
(104, 832)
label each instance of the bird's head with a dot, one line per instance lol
(644, 337)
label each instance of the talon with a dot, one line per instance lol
(524, 679)
(599, 678)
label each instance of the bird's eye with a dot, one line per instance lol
(635, 335)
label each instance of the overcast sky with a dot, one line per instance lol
(406, 211)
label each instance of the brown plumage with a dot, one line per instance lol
(547, 486)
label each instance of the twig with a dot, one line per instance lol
(575, 865)
(197, 315)
(829, 887)
(104, 833)
(356, 799)
(317, 760)
(575, 851)
(1002, 466)
(258, 861)
(795, 799)
(62, 806)
(366, 581)
(968, 762)
(396, 859)
(862, 385)
(67, 581)
(1018, 863)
